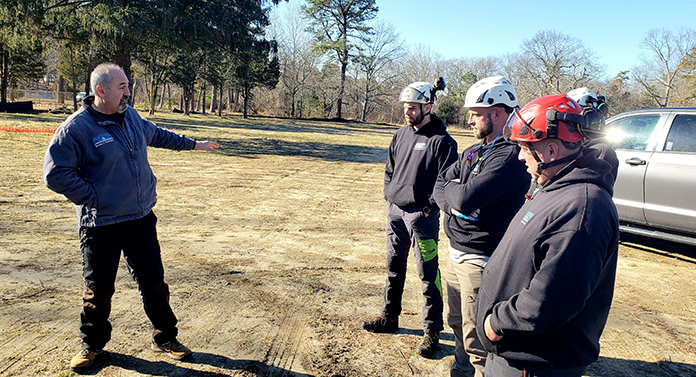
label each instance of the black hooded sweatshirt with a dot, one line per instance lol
(549, 284)
(415, 160)
(488, 180)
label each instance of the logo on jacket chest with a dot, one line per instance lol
(419, 147)
(102, 139)
(526, 218)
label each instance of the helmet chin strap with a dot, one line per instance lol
(421, 115)
(541, 166)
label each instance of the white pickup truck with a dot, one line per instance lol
(655, 191)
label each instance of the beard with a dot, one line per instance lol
(485, 129)
(123, 106)
(416, 120)
(410, 122)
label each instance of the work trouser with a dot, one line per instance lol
(463, 282)
(101, 252)
(413, 230)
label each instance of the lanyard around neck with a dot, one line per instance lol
(485, 154)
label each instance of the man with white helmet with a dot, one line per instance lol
(547, 289)
(595, 109)
(418, 153)
(586, 98)
(479, 194)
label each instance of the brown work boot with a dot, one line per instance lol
(429, 345)
(84, 359)
(173, 349)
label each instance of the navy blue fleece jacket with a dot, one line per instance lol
(102, 166)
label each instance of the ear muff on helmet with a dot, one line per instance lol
(602, 106)
(593, 126)
(589, 123)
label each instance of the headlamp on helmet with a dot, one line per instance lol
(422, 92)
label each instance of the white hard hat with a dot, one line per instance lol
(418, 92)
(583, 96)
(491, 91)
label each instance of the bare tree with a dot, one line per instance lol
(659, 73)
(621, 93)
(337, 25)
(556, 63)
(464, 72)
(422, 64)
(376, 63)
(325, 88)
(297, 58)
(688, 66)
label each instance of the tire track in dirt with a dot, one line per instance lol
(280, 358)
(279, 354)
(293, 329)
(334, 186)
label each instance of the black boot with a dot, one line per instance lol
(429, 345)
(381, 325)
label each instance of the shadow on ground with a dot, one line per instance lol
(609, 367)
(199, 123)
(330, 152)
(686, 253)
(443, 350)
(181, 369)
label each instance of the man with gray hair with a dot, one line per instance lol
(98, 160)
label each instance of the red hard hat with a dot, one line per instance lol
(554, 116)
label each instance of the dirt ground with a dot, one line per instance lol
(274, 252)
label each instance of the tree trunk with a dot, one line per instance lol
(161, 98)
(366, 100)
(300, 104)
(123, 59)
(203, 99)
(292, 106)
(131, 100)
(192, 99)
(4, 66)
(60, 89)
(213, 100)
(154, 85)
(153, 97)
(247, 93)
(339, 101)
(229, 100)
(236, 100)
(219, 108)
(188, 97)
(196, 107)
(74, 78)
(87, 83)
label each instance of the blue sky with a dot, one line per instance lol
(460, 28)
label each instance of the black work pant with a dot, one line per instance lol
(413, 231)
(101, 252)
